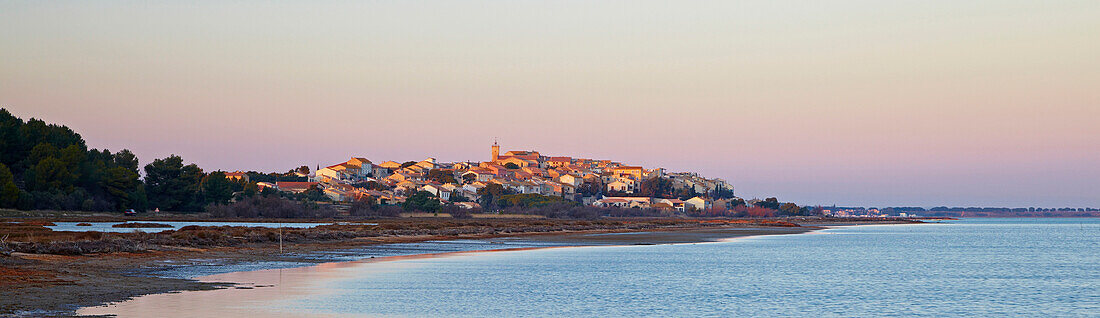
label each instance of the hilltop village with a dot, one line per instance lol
(602, 183)
(51, 168)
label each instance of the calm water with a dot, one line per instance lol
(976, 267)
(106, 226)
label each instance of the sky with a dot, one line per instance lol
(870, 103)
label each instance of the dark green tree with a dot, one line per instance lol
(656, 187)
(121, 184)
(590, 188)
(268, 191)
(494, 189)
(138, 199)
(687, 192)
(529, 200)
(769, 203)
(126, 159)
(171, 186)
(9, 193)
(441, 176)
(721, 192)
(11, 140)
(488, 195)
(26, 201)
(216, 188)
(456, 196)
(511, 165)
(789, 209)
(315, 194)
(52, 174)
(423, 201)
(73, 155)
(236, 185)
(250, 189)
(41, 152)
(56, 170)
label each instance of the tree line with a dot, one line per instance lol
(49, 167)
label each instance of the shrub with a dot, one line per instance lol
(104, 245)
(269, 207)
(456, 211)
(527, 200)
(370, 210)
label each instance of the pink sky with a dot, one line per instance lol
(985, 103)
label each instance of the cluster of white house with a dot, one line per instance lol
(578, 179)
(855, 212)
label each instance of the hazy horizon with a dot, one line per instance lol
(915, 103)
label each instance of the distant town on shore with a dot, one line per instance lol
(49, 167)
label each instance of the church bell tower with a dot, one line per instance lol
(496, 151)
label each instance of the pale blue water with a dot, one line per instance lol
(974, 267)
(203, 267)
(106, 226)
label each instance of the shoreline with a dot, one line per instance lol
(275, 283)
(103, 279)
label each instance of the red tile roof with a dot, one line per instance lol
(286, 185)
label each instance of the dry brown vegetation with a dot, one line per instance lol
(28, 277)
(753, 222)
(36, 239)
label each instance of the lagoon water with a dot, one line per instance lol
(972, 267)
(175, 225)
